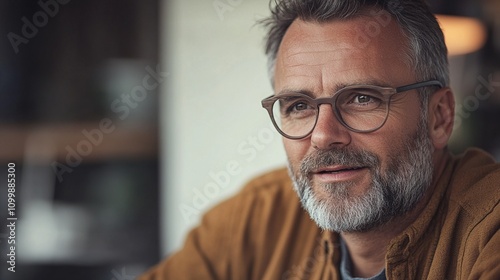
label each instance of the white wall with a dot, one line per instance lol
(210, 107)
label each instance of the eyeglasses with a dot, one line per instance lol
(360, 108)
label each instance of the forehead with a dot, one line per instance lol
(351, 51)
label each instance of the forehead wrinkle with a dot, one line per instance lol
(322, 84)
(290, 69)
(295, 91)
(317, 42)
(302, 56)
(301, 65)
(298, 76)
(299, 52)
(321, 64)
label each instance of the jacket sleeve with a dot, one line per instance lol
(205, 254)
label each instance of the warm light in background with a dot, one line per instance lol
(463, 35)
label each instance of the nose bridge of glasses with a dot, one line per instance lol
(329, 128)
(332, 114)
(326, 101)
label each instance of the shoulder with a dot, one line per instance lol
(275, 182)
(474, 198)
(265, 211)
(476, 182)
(475, 211)
(268, 205)
(263, 197)
(268, 196)
(235, 237)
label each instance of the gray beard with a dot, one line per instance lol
(390, 194)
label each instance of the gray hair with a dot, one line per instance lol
(427, 52)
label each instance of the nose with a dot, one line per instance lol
(329, 132)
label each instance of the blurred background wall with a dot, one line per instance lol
(216, 134)
(127, 120)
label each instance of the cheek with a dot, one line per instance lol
(404, 115)
(388, 143)
(402, 121)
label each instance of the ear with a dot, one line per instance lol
(441, 117)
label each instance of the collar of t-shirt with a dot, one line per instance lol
(346, 266)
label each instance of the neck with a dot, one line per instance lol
(368, 249)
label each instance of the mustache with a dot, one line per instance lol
(338, 156)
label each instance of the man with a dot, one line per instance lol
(363, 104)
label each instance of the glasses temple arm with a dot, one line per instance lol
(419, 85)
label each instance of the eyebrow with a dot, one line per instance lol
(372, 82)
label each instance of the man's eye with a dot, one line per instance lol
(299, 106)
(362, 99)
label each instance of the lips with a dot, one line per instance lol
(339, 173)
(337, 169)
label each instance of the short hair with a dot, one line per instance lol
(427, 52)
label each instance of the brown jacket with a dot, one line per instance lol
(263, 233)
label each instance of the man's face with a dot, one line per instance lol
(351, 181)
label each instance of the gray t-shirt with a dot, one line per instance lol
(346, 266)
